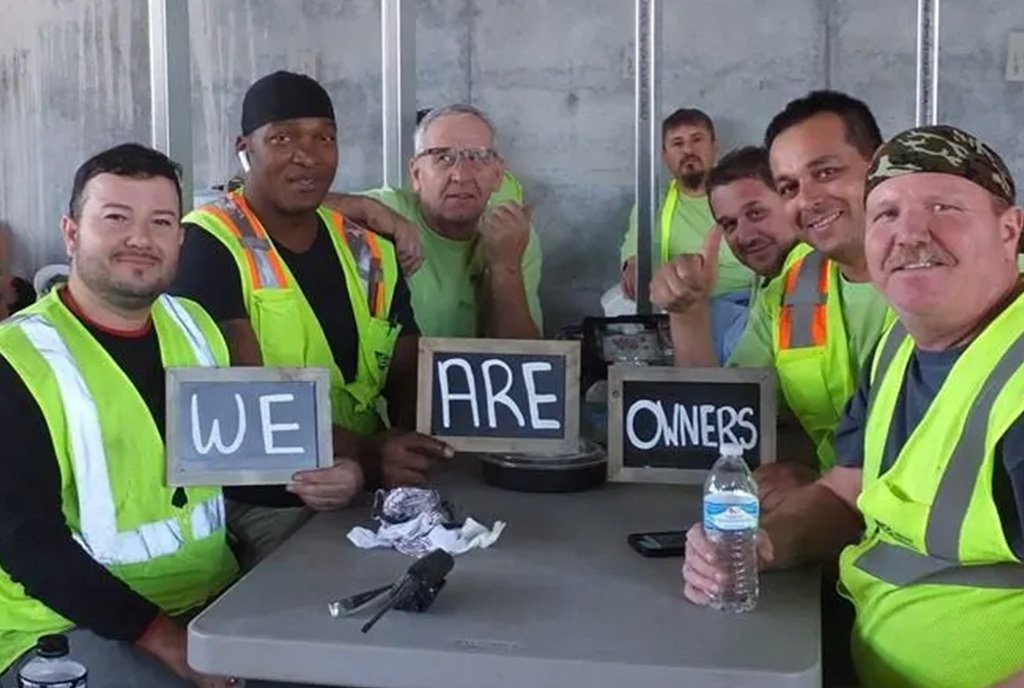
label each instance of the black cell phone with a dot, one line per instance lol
(668, 543)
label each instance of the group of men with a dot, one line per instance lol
(879, 277)
(276, 272)
(891, 308)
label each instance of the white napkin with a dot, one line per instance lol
(424, 533)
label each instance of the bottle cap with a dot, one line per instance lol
(730, 449)
(51, 646)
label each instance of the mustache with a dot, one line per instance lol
(901, 256)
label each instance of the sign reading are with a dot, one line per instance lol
(493, 395)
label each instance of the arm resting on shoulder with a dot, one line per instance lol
(365, 211)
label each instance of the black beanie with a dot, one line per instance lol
(283, 95)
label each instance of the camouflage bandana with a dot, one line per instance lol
(946, 150)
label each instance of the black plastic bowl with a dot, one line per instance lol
(581, 470)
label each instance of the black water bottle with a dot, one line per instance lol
(51, 667)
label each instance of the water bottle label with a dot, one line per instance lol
(730, 512)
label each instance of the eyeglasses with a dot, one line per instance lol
(446, 158)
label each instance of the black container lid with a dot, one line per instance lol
(51, 646)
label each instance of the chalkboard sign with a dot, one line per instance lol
(500, 395)
(665, 424)
(246, 425)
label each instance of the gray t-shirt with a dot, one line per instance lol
(925, 374)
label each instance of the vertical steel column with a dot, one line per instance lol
(648, 140)
(171, 88)
(927, 107)
(398, 67)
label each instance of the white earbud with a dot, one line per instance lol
(243, 160)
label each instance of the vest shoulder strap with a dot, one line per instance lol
(804, 319)
(232, 214)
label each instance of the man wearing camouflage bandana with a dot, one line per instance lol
(931, 449)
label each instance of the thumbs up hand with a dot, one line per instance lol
(688, 279)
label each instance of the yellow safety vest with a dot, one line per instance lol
(112, 465)
(668, 211)
(286, 327)
(938, 591)
(812, 358)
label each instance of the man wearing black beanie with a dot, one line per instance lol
(292, 283)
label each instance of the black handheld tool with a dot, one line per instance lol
(418, 588)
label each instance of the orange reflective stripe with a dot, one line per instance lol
(377, 272)
(820, 326)
(785, 328)
(257, 283)
(257, 227)
(338, 223)
(786, 316)
(803, 317)
(791, 278)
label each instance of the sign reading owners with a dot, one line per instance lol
(246, 426)
(666, 424)
(500, 395)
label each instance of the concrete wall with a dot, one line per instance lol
(556, 77)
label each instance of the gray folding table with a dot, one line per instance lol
(559, 601)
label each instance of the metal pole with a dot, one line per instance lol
(927, 107)
(171, 87)
(398, 67)
(648, 140)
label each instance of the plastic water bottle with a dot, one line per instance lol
(731, 513)
(51, 667)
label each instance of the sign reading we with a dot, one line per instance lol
(246, 425)
(490, 395)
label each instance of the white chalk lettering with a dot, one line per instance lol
(270, 427)
(743, 419)
(215, 439)
(725, 433)
(707, 426)
(659, 414)
(690, 425)
(447, 396)
(502, 396)
(534, 400)
(699, 425)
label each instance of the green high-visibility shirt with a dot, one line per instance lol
(445, 290)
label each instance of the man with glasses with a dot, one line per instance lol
(481, 263)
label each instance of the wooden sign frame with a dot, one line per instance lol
(451, 345)
(619, 374)
(178, 476)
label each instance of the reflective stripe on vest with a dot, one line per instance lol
(362, 244)
(98, 512)
(901, 566)
(197, 342)
(668, 211)
(265, 264)
(952, 500)
(803, 320)
(208, 518)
